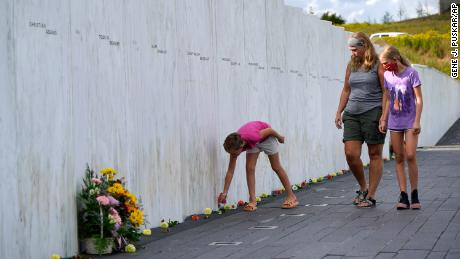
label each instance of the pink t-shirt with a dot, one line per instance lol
(250, 133)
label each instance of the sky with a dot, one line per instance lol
(365, 10)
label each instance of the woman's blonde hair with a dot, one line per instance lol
(391, 52)
(370, 56)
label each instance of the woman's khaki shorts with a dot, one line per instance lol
(363, 127)
(269, 146)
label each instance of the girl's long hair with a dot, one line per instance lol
(391, 52)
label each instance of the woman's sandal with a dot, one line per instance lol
(367, 203)
(250, 207)
(289, 204)
(359, 197)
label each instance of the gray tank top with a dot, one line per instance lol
(366, 93)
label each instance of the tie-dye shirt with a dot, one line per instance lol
(402, 97)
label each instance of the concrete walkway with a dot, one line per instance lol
(329, 226)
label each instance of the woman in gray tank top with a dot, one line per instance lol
(361, 103)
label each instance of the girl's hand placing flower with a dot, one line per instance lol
(222, 199)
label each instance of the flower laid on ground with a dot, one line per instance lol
(304, 184)
(295, 188)
(258, 199)
(207, 212)
(130, 248)
(164, 226)
(264, 195)
(55, 256)
(107, 210)
(240, 203)
(277, 192)
(147, 232)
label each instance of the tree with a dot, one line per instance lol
(401, 12)
(419, 10)
(426, 11)
(387, 17)
(334, 18)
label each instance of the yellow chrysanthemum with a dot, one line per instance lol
(137, 217)
(116, 188)
(108, 171)
(131, 197)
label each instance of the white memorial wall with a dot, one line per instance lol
(152, 88)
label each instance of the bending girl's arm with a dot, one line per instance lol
(229, 175)
(271, 132)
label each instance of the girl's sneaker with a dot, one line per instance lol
(403, 202)
(415, 203)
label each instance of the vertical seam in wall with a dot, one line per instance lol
(123, 49)
(216, 98)
(245, 61)
(266, 53)
(68, 245)
(14, 80)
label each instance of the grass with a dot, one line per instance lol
(437, 23)
(428, 43)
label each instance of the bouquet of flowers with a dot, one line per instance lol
(107, 211)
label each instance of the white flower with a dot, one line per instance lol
(111, 219)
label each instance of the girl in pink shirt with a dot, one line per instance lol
(254, 137)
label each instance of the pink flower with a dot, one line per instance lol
(113, 201)
(103, 200)
(115, 216)
(96, 180)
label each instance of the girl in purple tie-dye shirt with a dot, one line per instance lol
(404, 109)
